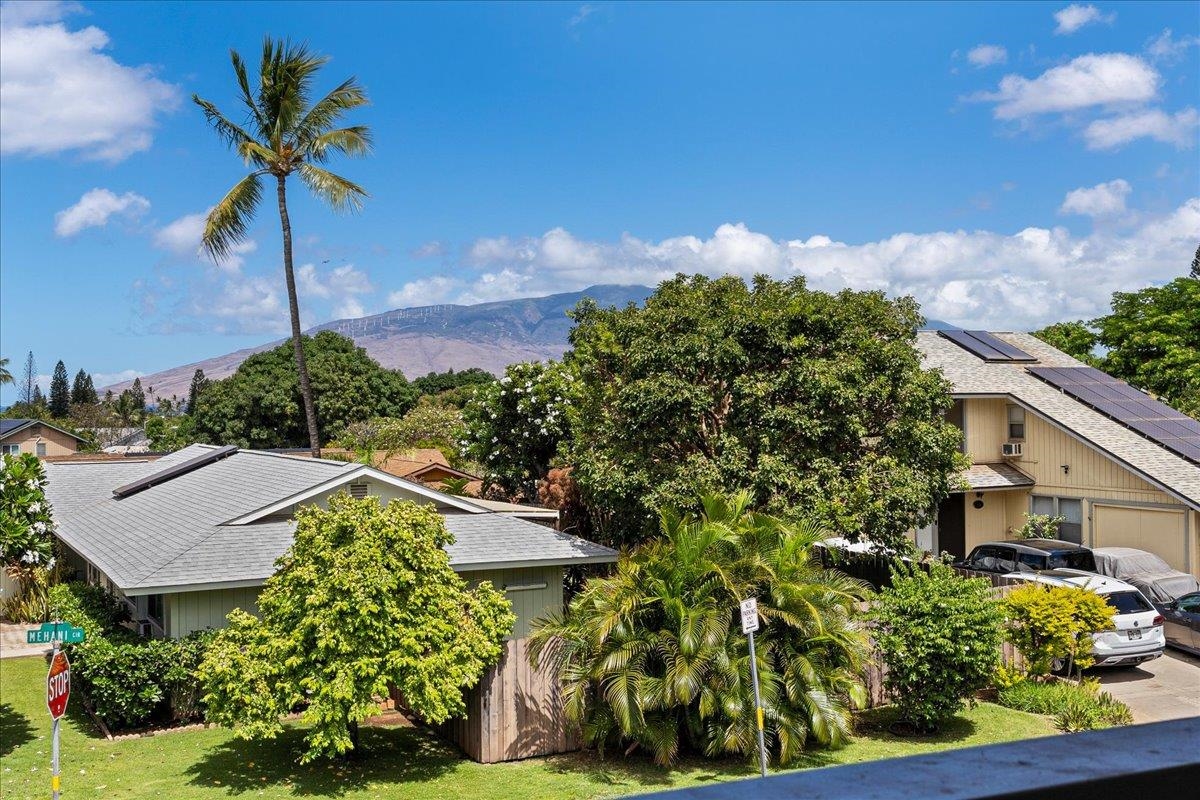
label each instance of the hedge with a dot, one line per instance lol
(129, 681)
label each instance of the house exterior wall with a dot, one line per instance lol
(57, 443)
(187, 612)
(527, 603)
(1110, 493)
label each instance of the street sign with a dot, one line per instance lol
(55, 632)
(749, 608)
(749, 615)
(58, 685)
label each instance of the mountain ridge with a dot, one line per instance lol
(434, 338)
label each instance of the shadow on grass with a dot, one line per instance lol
(16, 729)
(877, 724)
(385, 755)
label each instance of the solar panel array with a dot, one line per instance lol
(164, 475)
(1121, 402)
(986, 346)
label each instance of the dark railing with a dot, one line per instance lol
(1161, 759)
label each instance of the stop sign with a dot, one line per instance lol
(58, 685)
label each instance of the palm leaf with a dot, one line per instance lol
(339, 193)
(227, 222)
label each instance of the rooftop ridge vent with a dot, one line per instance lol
(162, 476)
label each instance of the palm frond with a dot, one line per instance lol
(326, 112)
(339, 193)
(231, 132)
(352, 141)
(239, 70)
(227, 222)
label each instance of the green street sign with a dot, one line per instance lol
(55, 632)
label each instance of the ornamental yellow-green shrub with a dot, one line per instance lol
(1055, 623)
(364, 600)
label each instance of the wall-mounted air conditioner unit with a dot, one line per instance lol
(1011, 449)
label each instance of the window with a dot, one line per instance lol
(1128, 602)
(957, 418)
(41, 448)
(154, 607)
(10, 449)
(1069, 508)
(1016, 422)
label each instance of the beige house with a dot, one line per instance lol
(36, 437)
(1044, 443)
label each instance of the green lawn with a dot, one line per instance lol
(399, 763)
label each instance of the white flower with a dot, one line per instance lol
(30, 557)
(505, 381)
(34, 508)
(39, 527)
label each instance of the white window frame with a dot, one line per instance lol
(1009, 422)
(1057, 511)
(10, 449)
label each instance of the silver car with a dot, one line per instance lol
(1137, 632)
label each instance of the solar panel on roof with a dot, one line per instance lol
(1123, 403)
(986, 346)
(182, 468)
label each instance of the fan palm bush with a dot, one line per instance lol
(652, 657)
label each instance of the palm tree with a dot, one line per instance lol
(651, 657)
(283, 134)
(5, 375)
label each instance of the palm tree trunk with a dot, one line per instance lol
(310, 411)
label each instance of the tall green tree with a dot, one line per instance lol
(83, 390)
(259, 405)
(365, 599)
(60, 392)
(199, 384)
(284, 133)
(137, 397)
(652, 656)
(27, 389)
(1075, 339)
(1153, 341)
(815, 402)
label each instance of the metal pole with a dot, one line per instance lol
(758, 711)
(54, 779)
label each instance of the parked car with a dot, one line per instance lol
(1182, 622)
(1137, 634)
(1028, 555)
(1155, 577)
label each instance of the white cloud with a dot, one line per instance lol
(95, 208)
(431, 249)
(342, 286)
(109, 378)
(1075, 16)
(986, 55)
(1178, 129)
(985, 279)
(1108, 79)
(183, 236)
(1101, 200)
(1165, 47)
(59, 93)
(584, 11)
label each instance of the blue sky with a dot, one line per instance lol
(1007, 164)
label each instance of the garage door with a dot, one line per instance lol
(1156, 530)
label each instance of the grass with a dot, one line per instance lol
(398, 763)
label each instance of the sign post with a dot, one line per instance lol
(749, 626)
(58, 691)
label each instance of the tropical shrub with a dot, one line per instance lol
(436, 426)
(1074, 706)
(939, 635)
(1038, 526)
(514, 426)
(364, 600)
(1054, 624)
(652, 657)
(25, 520)
(128, 680)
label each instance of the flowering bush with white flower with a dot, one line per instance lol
(514, 426)
(25, 522)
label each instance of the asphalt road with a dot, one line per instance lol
(1165, 688)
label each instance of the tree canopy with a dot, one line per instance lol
(1151, 339)
(260, 404)
(364, 600)
(652, 656)
(816, 403)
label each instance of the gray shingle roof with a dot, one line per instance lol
(173, 533)
(970, 375)
(995, 476)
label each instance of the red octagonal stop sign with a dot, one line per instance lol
(58, 685)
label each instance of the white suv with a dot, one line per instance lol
(1137, 634)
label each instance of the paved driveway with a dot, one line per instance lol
(1165, 688)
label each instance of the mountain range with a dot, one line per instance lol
(432, 338)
